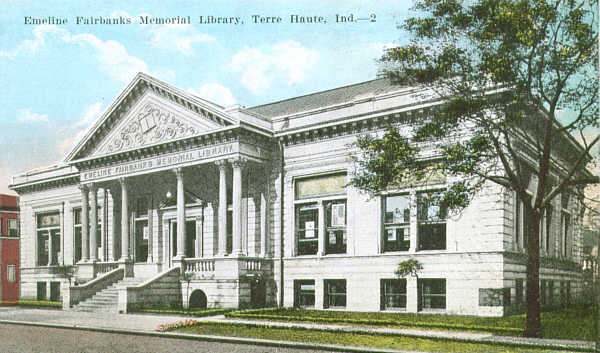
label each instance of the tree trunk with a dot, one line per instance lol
(596, 281)
(533, 326)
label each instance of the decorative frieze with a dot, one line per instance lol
(152, 125)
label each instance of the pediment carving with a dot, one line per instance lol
(150, 125)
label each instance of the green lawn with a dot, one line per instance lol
(573, 323)
(350, 339)
(167, 310)
(33, 303)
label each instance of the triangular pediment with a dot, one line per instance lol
(151, 121)
(149, 112)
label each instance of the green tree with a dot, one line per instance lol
(499, 74)
(410, 267)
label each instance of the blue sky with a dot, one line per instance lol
(57, 79)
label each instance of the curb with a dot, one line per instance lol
(222, 339)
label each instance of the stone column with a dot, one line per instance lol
(263, 224)
(61, 236)
(237, 207)
(103, 256)
(85, 225)
(94, 224)
(124, 222)
(321, 231)
(150, 231)
(200, 232)
(222, 243)
(180, 214)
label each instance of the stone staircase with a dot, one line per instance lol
(106, 299)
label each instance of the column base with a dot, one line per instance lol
(237, 254)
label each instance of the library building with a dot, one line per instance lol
(172, 199)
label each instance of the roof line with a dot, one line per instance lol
(313, 93)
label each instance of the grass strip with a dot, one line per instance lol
(380, 322)
(308, 335)
(194, 313)
(32, 303)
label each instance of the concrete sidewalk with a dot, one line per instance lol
(147, 324)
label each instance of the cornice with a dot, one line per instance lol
(53, 183)
(356, 125)
(231, 134)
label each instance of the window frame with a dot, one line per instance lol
(299, 294)
(397, 244)
(50, 231)
(385, 296)
(11, 273)
(422, 224)
(423, 296)
(300, 233)
(15, 222)
(330, 296)
(340, 232)
(565, 230)
(319, 203)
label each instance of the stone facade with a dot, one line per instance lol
(268, 217)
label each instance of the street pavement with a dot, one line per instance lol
(30, 339)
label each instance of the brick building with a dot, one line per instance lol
(9, 247)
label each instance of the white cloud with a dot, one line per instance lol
(30, 46)
(287, 61)
(178, 37)
(216, 93)
(112, 56)
(77, 130)
(26, 115)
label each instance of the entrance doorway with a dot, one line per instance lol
(190, 234)
(141, 240)
(258, 293)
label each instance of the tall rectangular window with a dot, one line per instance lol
(543, 294)
(432, 222)
(393, 294)
(77, 234)
(397, 223)
(548, 228)
(12, 227)
(335, 293)
(307, 228)
(517, 223)
(48, 230)
(320, 210)
(432, 293)
(519, 291)
(565, 220)
(304, 293)
(335, 234)
(11, 273)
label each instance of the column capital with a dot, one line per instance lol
(93, 187)
(123, 180)
(221, 163)
(239, 162)
(178, 172)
